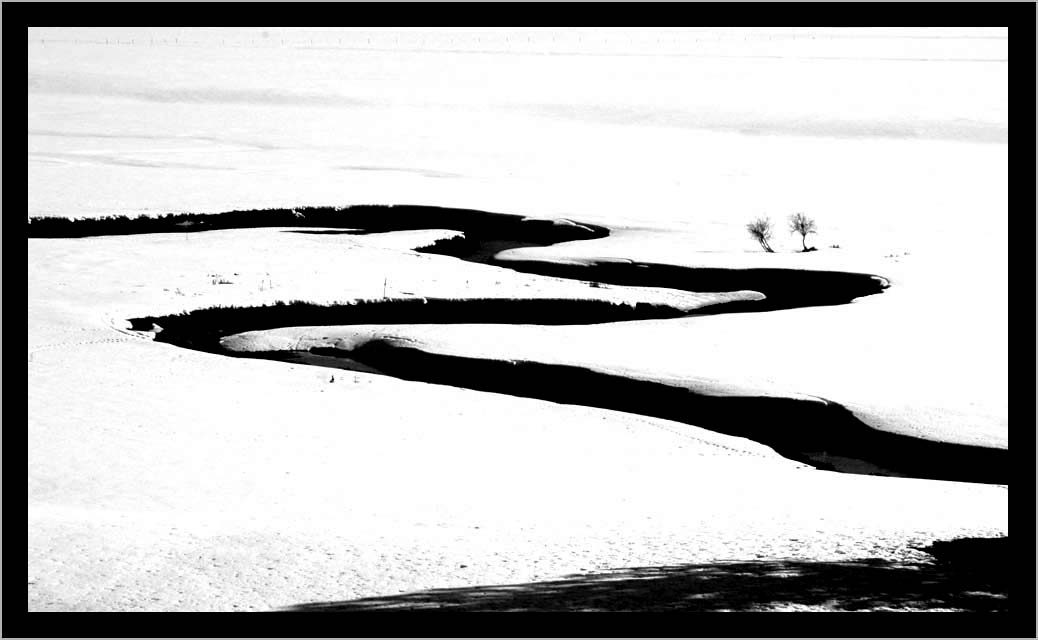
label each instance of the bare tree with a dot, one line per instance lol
(799, 223)
(760, 229)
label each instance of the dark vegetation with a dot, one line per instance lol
(331, 232)
(202, 329)
(364, 217)
(799, 223)
(761, 231)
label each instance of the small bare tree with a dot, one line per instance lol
(760, 229)
(799, 223)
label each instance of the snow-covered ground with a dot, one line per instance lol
(167, 479)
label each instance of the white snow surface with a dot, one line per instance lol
(161, 478)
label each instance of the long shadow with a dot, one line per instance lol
(978, 584)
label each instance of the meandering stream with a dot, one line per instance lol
(814, 431)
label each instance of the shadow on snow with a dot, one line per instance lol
(967, 575)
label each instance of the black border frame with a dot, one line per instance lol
(1019, 623)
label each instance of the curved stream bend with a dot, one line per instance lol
(818, 432)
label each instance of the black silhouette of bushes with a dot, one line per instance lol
(368, 217)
